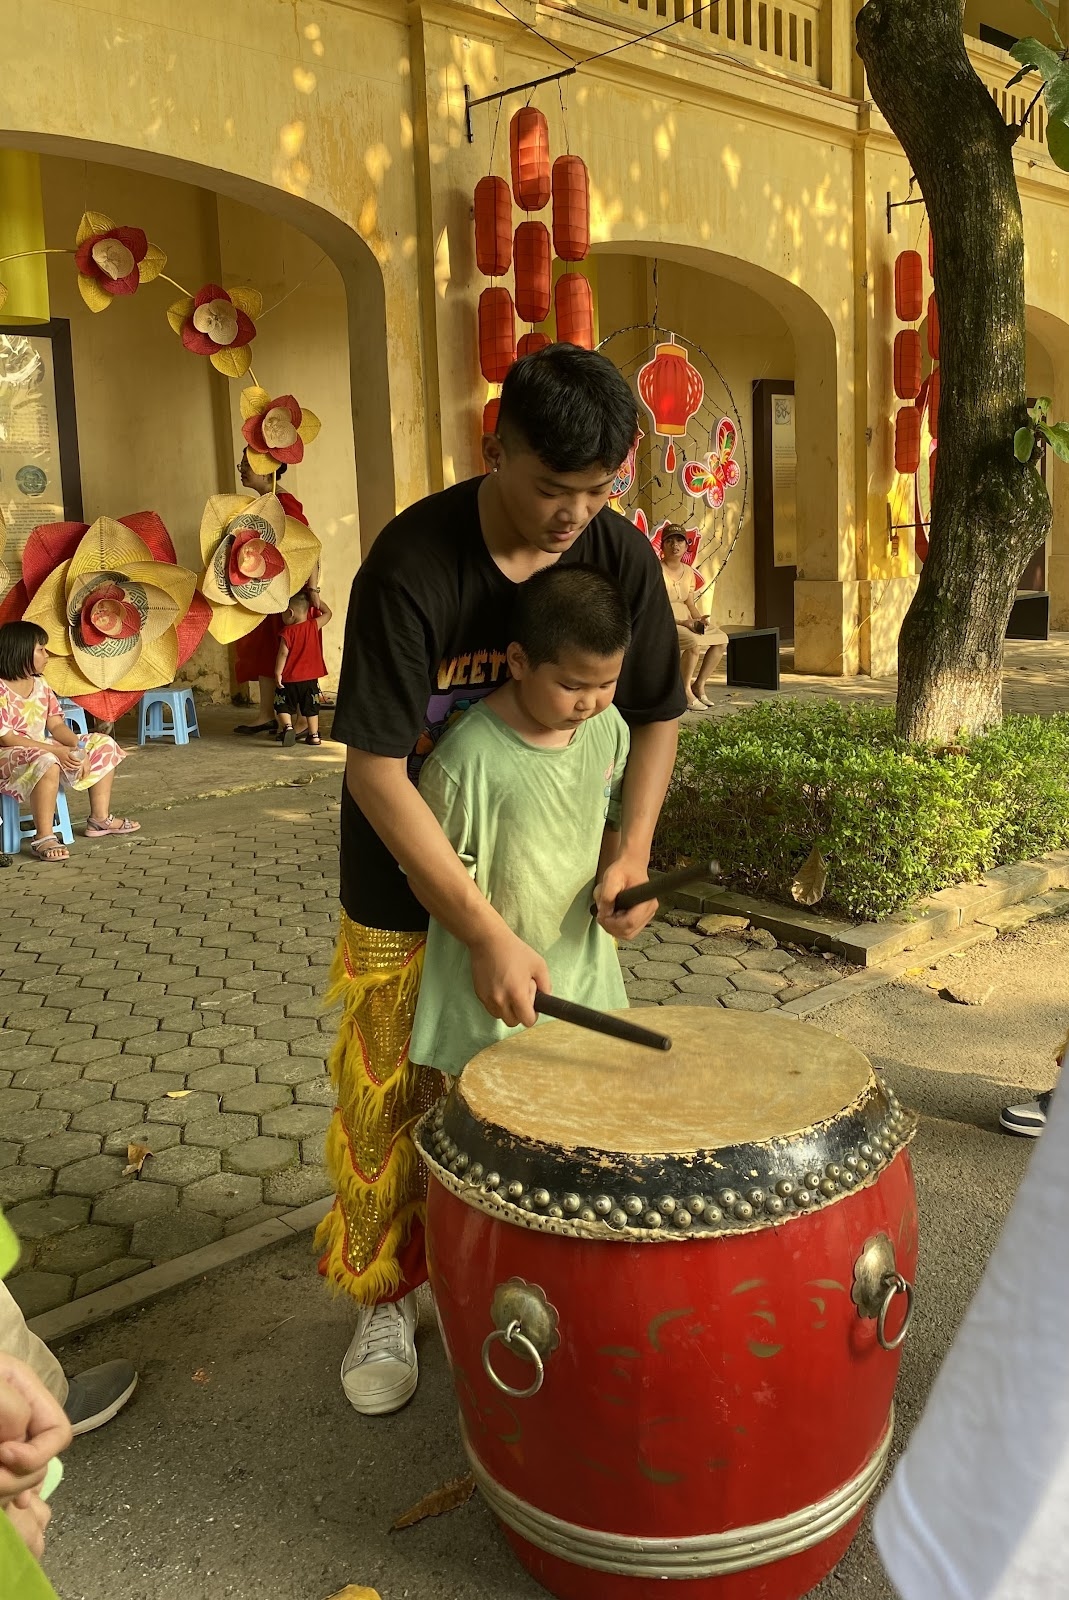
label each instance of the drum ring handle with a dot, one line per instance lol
(514, 1335)
(895, 1284)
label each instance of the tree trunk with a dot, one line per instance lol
(989, 512)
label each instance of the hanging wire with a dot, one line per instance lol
(553, 45)
(656, 295)
(707, 5)
(563, 117)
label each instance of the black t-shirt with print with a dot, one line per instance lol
(426, 633)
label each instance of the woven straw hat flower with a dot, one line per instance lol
(121, 615)
(113, 261)
(255, 558)
(220, 324)
(275, 431)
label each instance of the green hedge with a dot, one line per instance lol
(894, 821)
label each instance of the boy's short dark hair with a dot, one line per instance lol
(570, 608)
(18, 641)
(571, 407)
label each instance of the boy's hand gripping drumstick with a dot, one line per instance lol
(599, 1022)
(657, 888)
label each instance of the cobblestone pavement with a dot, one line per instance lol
(688, 960)
(165, 990)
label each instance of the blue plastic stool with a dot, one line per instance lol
(74, 716)
(182, 721)
(18, 824)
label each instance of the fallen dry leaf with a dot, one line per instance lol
(356, 1591)
(202, 1375)
(457, 1492)
(136, 1155)
(808, 887)
(177, 1094)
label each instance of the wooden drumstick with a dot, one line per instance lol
(656, 888)
(548, 1005)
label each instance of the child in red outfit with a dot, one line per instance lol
(300, 665)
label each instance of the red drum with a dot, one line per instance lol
(673, 1290)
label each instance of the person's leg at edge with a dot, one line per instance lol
(43, 801)
(688, 661)
(91, 1398)
(371, 1243)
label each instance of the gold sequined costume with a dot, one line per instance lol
(371, 1242)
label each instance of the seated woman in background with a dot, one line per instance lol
(38, 751)
(701, 643)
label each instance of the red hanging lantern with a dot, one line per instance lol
(933, 328)
(907, 364)
(491, 410)
(909, 286)
(571, 208)
(529, 149)
(493, 227)
(497, 334)
(574, 307)
(534, 275)
(531, 343)
(931, 252)
(934, 388)
(907, 440)
(671, 390)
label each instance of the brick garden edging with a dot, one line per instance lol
(872, 944)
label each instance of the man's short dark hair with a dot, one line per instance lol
(18, 641)
(571, 407)
(570, 608)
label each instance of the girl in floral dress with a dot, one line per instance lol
(38, 751)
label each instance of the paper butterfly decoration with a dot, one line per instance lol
(713, 475)
(626, 475)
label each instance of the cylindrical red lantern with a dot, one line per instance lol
(934, 387)
(529, 149)
(907, 364)
(493, 227)
(909, 286)
(571, 208)
(531, 343)
(497, 334)
(534, 275)
(574, 305)
(931, 252)
(933, 328)
(490, 415)
(907, 440)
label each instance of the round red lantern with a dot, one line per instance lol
(571, 208)
(531, 343)
(493, 227)
(907, 364)
(574, 306)
(671, 389)
(933, 328)
(534, 277)
(907, 440)
(491, 411)
(497, 334)
(529, 149)
(909, 286)
(934, 388)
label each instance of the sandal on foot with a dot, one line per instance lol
(49, 849)
(312, 738)
(287, 738)
(110, 825)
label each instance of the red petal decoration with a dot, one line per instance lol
(83, 258)
(149, 527)
(292, 454)
(193, 627)
(245, 335)
(198, 342)
(135, 240)
(14, 604)
(211, 291)
(128, 285)
(49, 545)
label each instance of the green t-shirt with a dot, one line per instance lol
(527, 822)
(20, 1576)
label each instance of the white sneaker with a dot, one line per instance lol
(379, 1371)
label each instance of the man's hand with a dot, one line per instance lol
(30, 1516)
(506, 972)
(45, 1432)
(622, 874)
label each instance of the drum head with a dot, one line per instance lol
(747, 1122)
(730, 1078)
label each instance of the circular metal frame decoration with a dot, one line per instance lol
(703, 480)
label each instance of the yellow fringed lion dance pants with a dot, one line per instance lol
(371, 1242)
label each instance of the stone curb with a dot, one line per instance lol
(874, 944)
(144, 1286)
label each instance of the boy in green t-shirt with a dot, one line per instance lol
(526, 786)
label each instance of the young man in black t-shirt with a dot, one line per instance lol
(428, 626)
